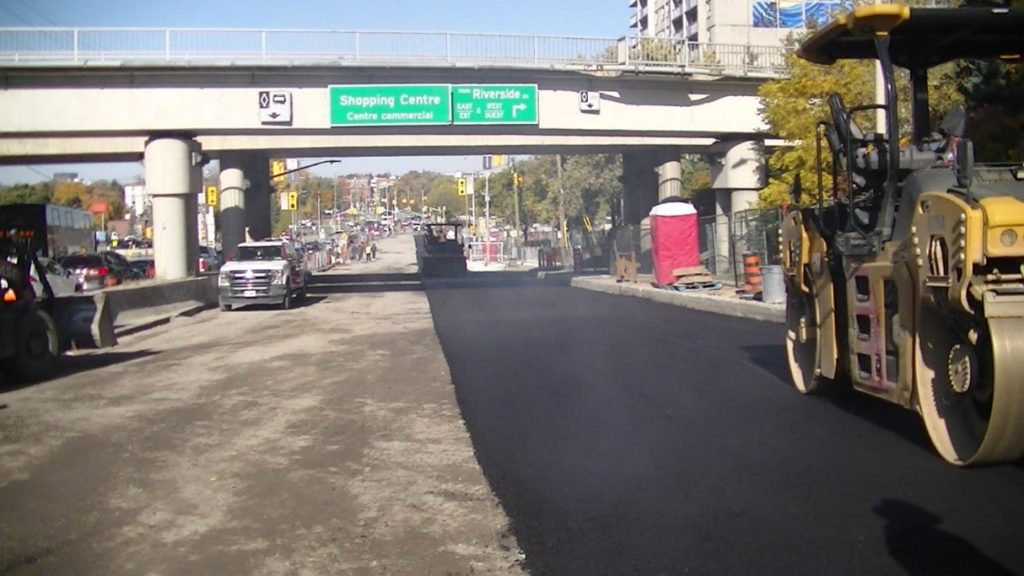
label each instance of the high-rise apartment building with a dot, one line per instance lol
(755, 22)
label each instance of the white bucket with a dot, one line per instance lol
(773, 285)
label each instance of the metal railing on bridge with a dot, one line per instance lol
(238, 47)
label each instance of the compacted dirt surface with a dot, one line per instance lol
(324, 439)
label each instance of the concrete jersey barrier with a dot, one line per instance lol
(88, 320)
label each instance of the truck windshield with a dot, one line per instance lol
(258, 253)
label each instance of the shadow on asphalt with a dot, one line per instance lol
(526, 278)
(916, 541)
(885, 415)
(68, 365)
(309, 300)
(770, 358)
(324, 284)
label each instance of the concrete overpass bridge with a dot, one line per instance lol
(177, 98)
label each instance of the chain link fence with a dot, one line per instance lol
(723, 243)
(235, 47)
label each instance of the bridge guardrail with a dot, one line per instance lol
(209, 46)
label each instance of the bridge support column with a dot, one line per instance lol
(171, 164)
(233, 184)
(737, 176)
(670, 174)
(640, 185)
(192, 231)
(258, 197)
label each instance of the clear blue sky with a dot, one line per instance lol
(601, 18)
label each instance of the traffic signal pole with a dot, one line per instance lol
(487, 217)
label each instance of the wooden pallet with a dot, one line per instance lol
(626, 268)
(703, 286)
(693, 279)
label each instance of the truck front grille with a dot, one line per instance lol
(250, 282)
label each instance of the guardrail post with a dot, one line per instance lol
(167, 45)
(448, 47)
(76, 44)
(536, 50)
(263, 44)
(357, 45)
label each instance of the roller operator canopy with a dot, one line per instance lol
(919, 37)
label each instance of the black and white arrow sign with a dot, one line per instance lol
(590, 101)
(275, 107)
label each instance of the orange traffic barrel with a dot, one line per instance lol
(751, 273)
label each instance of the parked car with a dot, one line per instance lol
(144, 266)
(98, 270)
(61, 281)
(119, 260)
(209, 261)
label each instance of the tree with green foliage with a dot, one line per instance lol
(793, 106)
(696, 175)
(590, 182)
(994, 95)
(40, 193)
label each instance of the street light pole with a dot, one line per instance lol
(300, 168)
(334, 212)
(487, 218)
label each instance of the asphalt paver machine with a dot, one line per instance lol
(908, 280)
(443, 251)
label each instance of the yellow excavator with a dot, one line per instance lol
(907, 280)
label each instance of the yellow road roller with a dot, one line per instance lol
(906, 279)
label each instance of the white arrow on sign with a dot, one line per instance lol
(517, 108)
(590, 101)
(275, 107)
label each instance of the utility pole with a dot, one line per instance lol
(473, 196)
(515, 192)
(561, 206)
(487, 217)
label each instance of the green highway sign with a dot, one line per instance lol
(495, 103)
(390, 104)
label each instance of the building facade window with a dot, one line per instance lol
(795, 13)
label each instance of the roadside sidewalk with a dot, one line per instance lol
(132, 321)
(721, 301)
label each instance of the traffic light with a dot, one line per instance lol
(293, 201)
(276, 167)
(211, 195)
(498, 160)
(461, 186)
(517, 179)
(487, 162)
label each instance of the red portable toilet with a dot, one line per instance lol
(674, 241)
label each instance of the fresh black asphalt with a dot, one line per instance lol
(628, 437)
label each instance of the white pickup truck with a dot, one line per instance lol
(264, 272)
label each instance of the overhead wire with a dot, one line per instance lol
(15, 15)
(43, 17)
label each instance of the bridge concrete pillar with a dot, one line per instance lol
(233, 185)
(737, 175)
(640, 191)
(670, 174)
(170, 165)
(193, 218)
(640, 185)
(258, 196)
